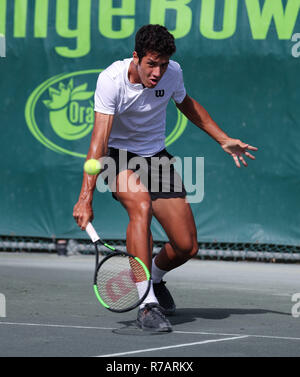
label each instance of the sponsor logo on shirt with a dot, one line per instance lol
(160, 93)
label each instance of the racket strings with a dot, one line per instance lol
(117, 281)
(137, 271)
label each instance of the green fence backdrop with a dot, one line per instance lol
(240, 60)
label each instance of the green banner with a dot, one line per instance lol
(240, 60)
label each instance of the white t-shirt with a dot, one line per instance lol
(139, 123)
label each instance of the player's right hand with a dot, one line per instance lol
(83, 213)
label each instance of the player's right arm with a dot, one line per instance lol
(83, 211)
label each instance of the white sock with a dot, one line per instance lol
(156, 273)
(150, 298)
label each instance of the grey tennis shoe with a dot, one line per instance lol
(152, 318)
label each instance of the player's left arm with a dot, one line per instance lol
(200, 117)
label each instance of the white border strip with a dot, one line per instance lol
(174, 332)
(249, 335)
(57, 326)
(175, 346)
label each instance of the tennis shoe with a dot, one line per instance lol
(164, 298)
(152, 318)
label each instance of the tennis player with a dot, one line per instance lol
(130, 119)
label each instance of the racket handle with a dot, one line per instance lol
(92, 233)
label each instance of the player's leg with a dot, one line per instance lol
(176, 218)
(137, 202)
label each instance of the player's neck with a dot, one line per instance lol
(133, 75)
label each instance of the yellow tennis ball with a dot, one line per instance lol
(92, 166)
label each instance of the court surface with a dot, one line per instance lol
(224, 309)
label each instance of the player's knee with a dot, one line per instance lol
(142, 209)
(187, 248)
(194, 250)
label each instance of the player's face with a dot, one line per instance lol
(151, 68)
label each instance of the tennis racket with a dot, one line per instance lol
(121, 280)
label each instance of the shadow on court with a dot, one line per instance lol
(188, 315)
(192, 314)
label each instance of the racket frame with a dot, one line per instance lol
(97, 241)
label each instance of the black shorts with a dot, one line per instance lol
(156, 173)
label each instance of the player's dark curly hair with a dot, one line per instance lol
(154, 38)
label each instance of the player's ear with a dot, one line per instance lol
(136, 59)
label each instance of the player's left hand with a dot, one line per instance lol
(237, 149)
